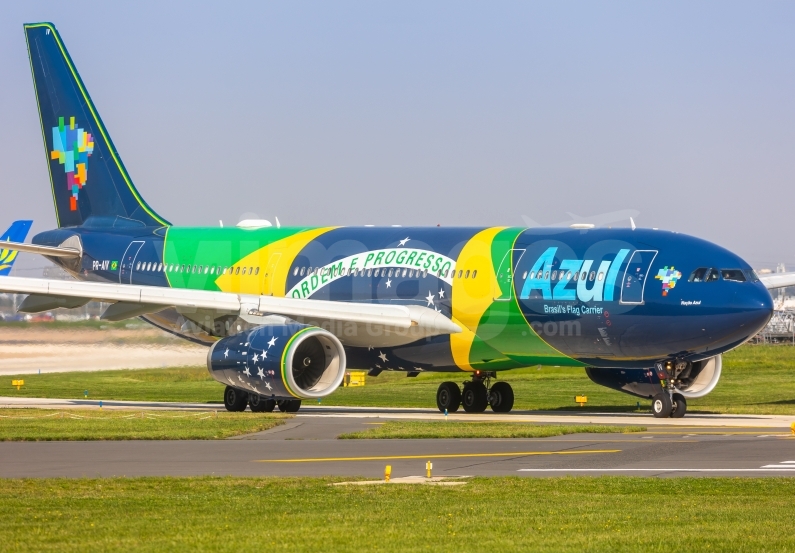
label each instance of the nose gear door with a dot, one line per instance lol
(503, 288)
(127, 262)
(635, 276)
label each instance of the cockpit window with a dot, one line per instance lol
(699, 275)
(732, 274)
(713, 275)
(751, 275)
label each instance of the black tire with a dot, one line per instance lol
(448, 396)
(501, 397)
(259, 404)
(679, 407)
(289, 405)
(661, 405)
(475, 398)
(235, 400)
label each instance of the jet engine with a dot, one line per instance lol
(692, 380)
(280, 361)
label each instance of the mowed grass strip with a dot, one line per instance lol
(487, 514)
(453, 429)
(757, 379)
(105, 424)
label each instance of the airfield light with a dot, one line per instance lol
(429, 467)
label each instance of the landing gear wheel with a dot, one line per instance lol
(289, 405)
(661, 405)
(501, 397)
(475, 399)
(679, 407)
(448, 397)
(259, 404)
(235, 400)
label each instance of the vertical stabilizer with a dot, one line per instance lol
(88, 178)
(15, 233)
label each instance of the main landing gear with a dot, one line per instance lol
(476, 396)
(236, 400)
(670, 403)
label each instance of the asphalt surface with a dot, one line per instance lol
(307, 446)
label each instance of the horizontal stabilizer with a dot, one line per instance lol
(41, 250)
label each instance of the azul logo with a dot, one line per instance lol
(71, 147)
(669, 278)
(573, 279)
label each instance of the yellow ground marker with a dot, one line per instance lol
(442, 456)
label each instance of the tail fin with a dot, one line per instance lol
(15, 233)
(88, 178)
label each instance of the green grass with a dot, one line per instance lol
(757, 379)
(453, 429)
(104, 424)
(488, 514)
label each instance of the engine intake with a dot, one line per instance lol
(280, 361)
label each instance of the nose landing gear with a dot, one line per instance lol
(670, 403)
(476, 396)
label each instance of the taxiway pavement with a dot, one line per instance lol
(697, 445)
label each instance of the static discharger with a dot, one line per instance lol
(582, 400)
(387, 473)
(429, 466)
(20, 383)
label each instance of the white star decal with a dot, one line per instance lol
(260, 373)
(369, 348)
(383, 356)
(264, 354)
(403, 242)
(268, 386)
(429, 299)
(226, 353)
(441, 294)
(272, 342)
(255, 358)
(240, 378)
(389, 283)
(420, 369)
(247, 372)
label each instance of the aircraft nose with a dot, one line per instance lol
(756, 306)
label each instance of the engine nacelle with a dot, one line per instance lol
(280, 361)
(700, 378)
(696, 380)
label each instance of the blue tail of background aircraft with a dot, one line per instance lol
(15, 233)
(89, 182)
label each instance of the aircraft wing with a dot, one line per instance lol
(132, 300)
(778, 280)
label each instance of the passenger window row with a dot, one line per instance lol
(410, 273)
(564, 275)
(149, 267)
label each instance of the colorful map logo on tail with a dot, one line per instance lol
(669, 278)
(71, 147)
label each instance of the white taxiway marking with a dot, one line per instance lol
(767, 468)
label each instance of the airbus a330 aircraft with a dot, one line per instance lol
(286, 310)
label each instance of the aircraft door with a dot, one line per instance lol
(128, 261)
(270, 270)
(503, 289)
(635, 276)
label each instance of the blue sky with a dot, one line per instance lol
(425, 113)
